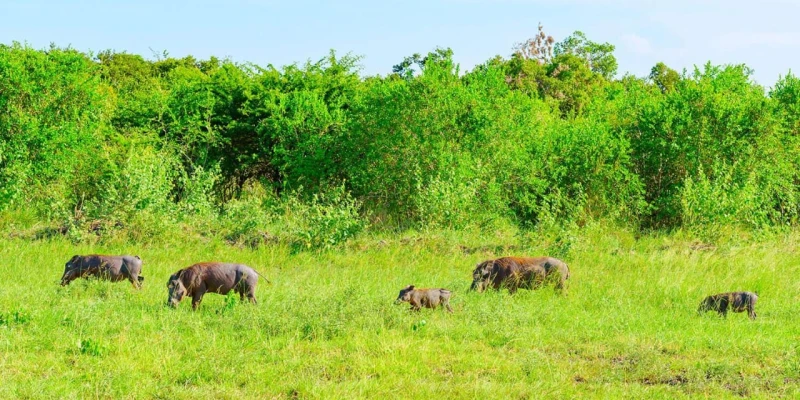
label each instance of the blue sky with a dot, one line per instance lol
(763, 34)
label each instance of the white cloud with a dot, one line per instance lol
(637, 44)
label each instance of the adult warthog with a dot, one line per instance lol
(113, 268)
(212, 277)
(735, 301)
(520, 272)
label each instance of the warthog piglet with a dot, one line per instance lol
(736, 301)
(428, 298)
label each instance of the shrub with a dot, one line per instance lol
(246, 220)
(329, 219)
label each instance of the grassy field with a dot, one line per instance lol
(327, 326)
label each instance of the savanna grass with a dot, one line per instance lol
(327, 327)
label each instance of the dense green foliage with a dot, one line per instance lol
(315, 153)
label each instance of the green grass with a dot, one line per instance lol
(326, 327)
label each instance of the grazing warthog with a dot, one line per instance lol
(428, 298)
(212, 277)
(736, 301)
(519, 272)
(113, 268)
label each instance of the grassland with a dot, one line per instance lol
(326, 327)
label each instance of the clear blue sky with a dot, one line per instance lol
(763, 34)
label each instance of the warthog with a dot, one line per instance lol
(113, 268)
(428, 298)
(519, 272)
(736, 301)
(212, 277)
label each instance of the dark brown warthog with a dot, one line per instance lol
(736, 301)
(428, 298)
(212, 277)
(519, 272)
(113, 268)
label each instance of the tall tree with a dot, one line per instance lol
(599, 56)
(664, 77)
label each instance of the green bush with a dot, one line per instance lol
(448, 203)
(52, 107)
(247, 220)
(329, 219)
(710, 203)
(114, 145)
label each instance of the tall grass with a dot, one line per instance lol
(326, 327)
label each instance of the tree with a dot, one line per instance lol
(572, 83)
(599, 57)
(664, 77)
(538, 48)
(439, 56)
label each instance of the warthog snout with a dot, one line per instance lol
(68, 277)
(405, 295)
(477, 285)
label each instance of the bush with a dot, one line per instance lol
(329, 219)
(52, 107)
(448, 203)
(197, 197)
(710, 204)
(246, 220)
(115, 145)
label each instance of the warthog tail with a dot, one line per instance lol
(265, 278)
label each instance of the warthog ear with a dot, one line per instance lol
(410, 287)
(175, 276)
(72, 260)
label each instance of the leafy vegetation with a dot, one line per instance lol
(111, 145)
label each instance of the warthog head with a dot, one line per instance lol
(177, 290)
(71, 270)
(707, 304)
(405, 294)
(482, 276)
